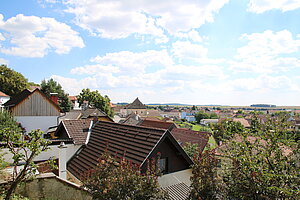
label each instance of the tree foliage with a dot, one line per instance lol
(191, 149)
(226, 129)
(206, 182)
(52, 86)
(94, 98)
(260, 164)
(12, 82)
(22, 151)
(111, 180)
(204, 115)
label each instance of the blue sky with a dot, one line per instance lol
(228, 52)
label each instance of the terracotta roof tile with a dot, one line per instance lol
(158, 124)
(185, 135)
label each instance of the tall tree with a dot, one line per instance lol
(121, 180)
(12, 82)
(22, 151)
(52, 86)
(94, 98)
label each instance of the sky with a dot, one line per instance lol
(199, 52)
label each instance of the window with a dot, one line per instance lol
(163, 165)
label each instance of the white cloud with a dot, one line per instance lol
(260, 6)
(267, 52)
(119, 19)
(128, 61)
(32, 36)
(192, 35)
(188, 50)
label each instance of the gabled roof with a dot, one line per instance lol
(185, 135)
(15, 100)
(76, 129)
(92, 112)
(136, 104)
(135, 143)
(2, 94)
(158, 124)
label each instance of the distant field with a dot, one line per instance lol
(234, 107)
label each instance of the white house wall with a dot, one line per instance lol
(37, 122)
(52, 152)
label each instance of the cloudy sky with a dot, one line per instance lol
(228, 52)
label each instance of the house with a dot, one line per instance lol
(206, 122)
(34, 110)
(188, 116)
(73, 131)
(136, 107)
(3, 99)
(136, 143)
(131, 119)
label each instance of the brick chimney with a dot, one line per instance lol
(54, 97)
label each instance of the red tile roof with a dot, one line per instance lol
(158, 124)
(185, 135)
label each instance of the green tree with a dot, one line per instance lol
(12, 82)
(121, 180)
(22, 151)
(94, 98)
(201, 115)
(52, 86)
(225, 129)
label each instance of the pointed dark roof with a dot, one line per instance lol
(92, 112)
(136, 104)
(136, 143)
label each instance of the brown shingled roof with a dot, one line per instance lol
(158, 124)
(185, 135)
(76, 129)
(136, 143)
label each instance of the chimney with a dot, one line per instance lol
(54, 97)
